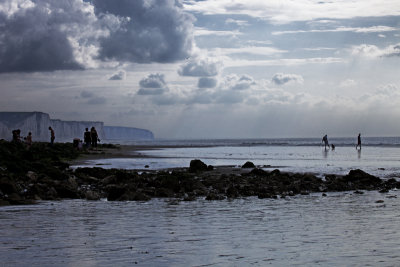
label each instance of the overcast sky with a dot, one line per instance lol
(206, 69)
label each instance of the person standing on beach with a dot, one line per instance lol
(359, 141)
(87, 138)
(94, 136)
(325, 140)
(28, 140)
(52, 136)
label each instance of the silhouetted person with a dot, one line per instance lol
(16, 136)
(325, 140)
(28, 140)
(52, 136)
(94, 136)
(358, 141)
(87, 138)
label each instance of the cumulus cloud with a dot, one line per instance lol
(236, 82)
(120, 75)
(39, 35)
(47, 35)
(152, 31)
(372, 51)
(200, 67)
(281, 78)
(206, 82)
(153, 84)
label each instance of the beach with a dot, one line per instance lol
(86, 212)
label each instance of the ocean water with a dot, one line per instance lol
(378, 156)
(341, 229)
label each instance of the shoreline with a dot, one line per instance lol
(43, 173)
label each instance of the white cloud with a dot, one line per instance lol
(301, 10)
(200, 67)
(236, 82)
(372, 29)
(253, 50)
(372, 51)
(153, 84)
(228, 62)
(202, 32)
(237, 22)
(281, 78)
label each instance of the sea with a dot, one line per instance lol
(336, 229)
(378, 156)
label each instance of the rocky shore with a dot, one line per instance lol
(42, 173)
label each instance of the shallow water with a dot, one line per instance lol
(382, 161)
(342, 229)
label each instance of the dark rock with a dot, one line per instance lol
(258, 172)
(248, 165)
(214, 196)
(275, 172)
(92, 195)
(197, 165)
(134, 196)
(95, 172)
(232, 192)
(7, 187)
(115, 192)
(362, 177)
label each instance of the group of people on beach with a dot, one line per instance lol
(326, 143)
(16, 137)
(91, 137)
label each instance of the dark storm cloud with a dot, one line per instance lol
(32, 38)
(48, 35)
(152, 31)
(205, 82)
(154, 84)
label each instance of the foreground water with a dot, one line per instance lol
(341, 229)
(379, 156)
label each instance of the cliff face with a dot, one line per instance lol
(127, 133)
(38, 123)
(35, 122)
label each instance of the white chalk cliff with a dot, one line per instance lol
(38, 123)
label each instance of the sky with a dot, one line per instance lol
(206, 69)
